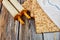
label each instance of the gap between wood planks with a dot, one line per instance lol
(0, 6)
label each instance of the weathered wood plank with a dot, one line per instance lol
(7, 26)
(3, 20)
(9, 29)
(23, 33)
(33, 34)
(52, 36)
(16, 29)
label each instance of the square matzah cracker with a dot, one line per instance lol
(42, 21)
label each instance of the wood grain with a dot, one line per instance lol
(9, 29)
(7, 26)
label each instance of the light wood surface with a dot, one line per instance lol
(17, 5)
(10, 8)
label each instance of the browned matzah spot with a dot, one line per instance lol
(42, 22)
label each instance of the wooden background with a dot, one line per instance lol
(10, 30)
